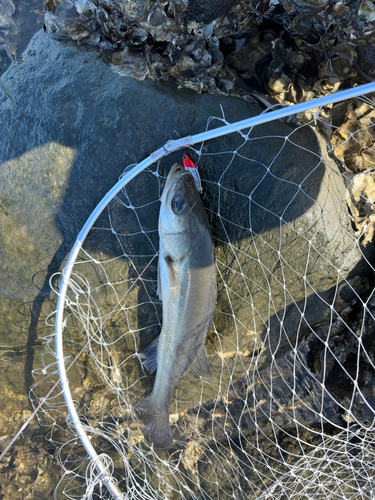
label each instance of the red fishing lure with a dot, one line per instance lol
(190, 165)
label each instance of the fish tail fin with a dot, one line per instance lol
(156, 429)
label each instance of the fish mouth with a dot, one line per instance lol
(176, 170)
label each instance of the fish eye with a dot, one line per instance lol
(178, 204)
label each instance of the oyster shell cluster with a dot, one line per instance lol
(290, 50)
(349, 128)
(294, 6)
(361, 202)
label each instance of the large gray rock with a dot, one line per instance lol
(71, 127)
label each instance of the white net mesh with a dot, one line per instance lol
(289, 410)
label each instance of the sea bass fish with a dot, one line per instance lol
(188, 290)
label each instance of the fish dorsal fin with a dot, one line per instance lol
(149, 355)
(200, 366)
(172, 274)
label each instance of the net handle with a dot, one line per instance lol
(168, 148)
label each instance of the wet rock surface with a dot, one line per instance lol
(77, 128)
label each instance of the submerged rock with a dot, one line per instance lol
(30, 467)
(296, 398)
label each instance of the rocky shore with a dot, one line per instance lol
(103, 85)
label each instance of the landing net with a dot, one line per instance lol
(289, 410)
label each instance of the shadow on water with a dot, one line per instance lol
(69, 97)
(35, 312)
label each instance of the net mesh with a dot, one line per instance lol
(289, 410)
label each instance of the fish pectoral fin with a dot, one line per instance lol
(200, 365)
(172, 274)
(150, 356)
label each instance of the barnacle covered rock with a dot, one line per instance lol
(360, 198)
(292, 50)
(354, 140)
(7, 9)
(339, 63)
(292, 6)
(129, 63)
(367, 10)
(71, 28)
